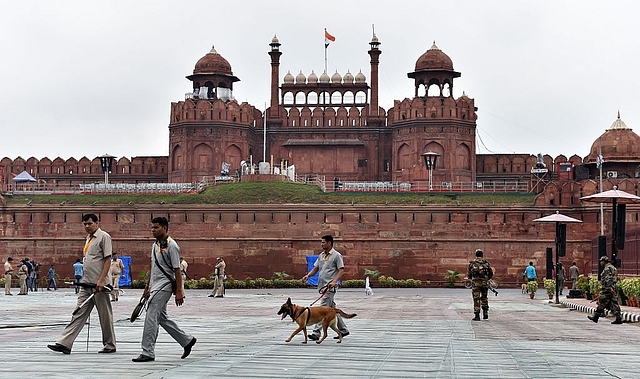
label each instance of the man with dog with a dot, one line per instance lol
(608, 297)
(331, 268)
(480, 273)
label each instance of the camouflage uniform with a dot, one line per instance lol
(480, 272)
(608, 297)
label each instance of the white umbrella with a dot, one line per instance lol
(557, 217)
(612, 196)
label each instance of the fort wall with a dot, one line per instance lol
(420, 242)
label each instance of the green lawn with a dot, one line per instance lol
(279, 193)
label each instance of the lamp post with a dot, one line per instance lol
(105, 162)
(430, 159)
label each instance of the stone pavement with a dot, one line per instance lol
(399, 333)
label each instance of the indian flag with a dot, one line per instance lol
(328, 38)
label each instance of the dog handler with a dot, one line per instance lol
(331, 268)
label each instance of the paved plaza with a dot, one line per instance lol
(398, 333)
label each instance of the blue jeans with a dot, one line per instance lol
(52, 281)
(78, 279)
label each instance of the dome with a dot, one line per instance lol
(434, 59)
(275, 39)
(213, 63)
(313, 78)
(360, 78)
(619, 144)
(288, 79)
(348, 78)
(300, 78)
(336, 78)
(324, 78)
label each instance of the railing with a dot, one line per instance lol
(476, 187)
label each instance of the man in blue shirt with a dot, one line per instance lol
(77, 272)
(530, 272)
(52, 279)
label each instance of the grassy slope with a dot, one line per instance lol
(279, 193)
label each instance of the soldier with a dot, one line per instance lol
(608, 297)
(480, 272)
(117, 272)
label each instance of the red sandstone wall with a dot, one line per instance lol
(404, 241)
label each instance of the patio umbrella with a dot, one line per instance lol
(558, 218)
(612, 196)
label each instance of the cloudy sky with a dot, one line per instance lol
(84, 78)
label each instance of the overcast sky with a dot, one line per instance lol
(84, 78)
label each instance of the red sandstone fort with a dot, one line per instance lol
(332, 126)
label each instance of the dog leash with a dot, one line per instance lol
(323, 291)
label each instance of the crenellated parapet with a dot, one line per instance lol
(72, 171)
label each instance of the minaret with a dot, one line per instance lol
(275, 53)
(375, 61)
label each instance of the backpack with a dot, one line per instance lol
(480, 269)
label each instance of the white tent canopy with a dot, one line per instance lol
(24, 177)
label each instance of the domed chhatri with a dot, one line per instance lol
(312, 78)
(288, 79)
(434, 59)
(213, 63)
(300, 78)
(618, 143)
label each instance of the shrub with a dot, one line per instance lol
(191, 284)
(353, 283)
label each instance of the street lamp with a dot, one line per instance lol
(430, 159)
(105, 162)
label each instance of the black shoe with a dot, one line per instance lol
(343, 335)
(313, 337)
(593, 318)
(220, 296)
(210, 296)
(143, 358)
(107, 351)
(187, 349)
(617, 321)
(59, 348)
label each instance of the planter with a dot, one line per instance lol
(550, 295)
(531, 295)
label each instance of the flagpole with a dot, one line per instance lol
(601, 190)
(325, 55)
(264, 134)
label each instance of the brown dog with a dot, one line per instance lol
(312, 315)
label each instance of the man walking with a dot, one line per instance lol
(52, 278)
(608, 297)
(116, 272)
(8, 273)
(574, 273)
(97, 262)
(480, 273)
(164, 280)
(331, 268)
(77, 273)
(530, 272)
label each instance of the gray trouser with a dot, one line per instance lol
(156, 317)
(327, 301)
(105, 314)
